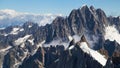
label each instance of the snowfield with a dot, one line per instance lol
(96, 55)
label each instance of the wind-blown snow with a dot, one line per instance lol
(10, 17)
(75, 37)
(57, 42)
(96, 55)
(91, 39)
(21, 40)
(112, 34)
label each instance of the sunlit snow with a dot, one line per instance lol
(96, 55)
(112, 34)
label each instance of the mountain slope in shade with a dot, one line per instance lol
(11, 17)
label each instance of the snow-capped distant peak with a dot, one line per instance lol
(96, 55)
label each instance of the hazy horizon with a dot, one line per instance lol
(63, 7)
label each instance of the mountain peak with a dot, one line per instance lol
(92, 8)
(84, 7)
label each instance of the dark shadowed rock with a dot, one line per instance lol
(72, 43)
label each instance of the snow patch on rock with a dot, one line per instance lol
(15, 31)
(31, 41)
(71, 47)
(21, 40)
(5, 49)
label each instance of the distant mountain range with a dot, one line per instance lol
(87, 38)
(11, 17)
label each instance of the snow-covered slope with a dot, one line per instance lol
(112, 34)
(11, 17)
(96, 55)
(21, 40)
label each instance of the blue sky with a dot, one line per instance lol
(111, 7)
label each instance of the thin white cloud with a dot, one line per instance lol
(11, 17)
